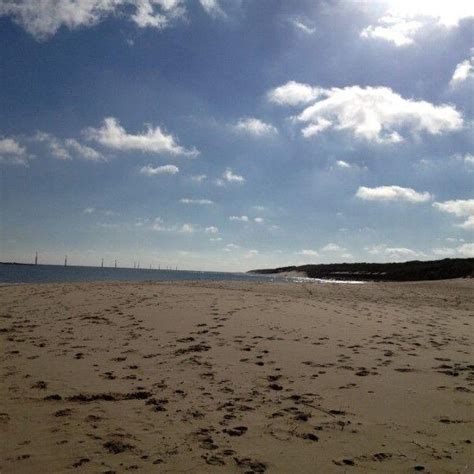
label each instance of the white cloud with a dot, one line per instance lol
(259, 220)
(251, 253)
(331, 247)
(153, 140)
(196, 201)
(308, 253)
(56, 146)
(84, 151)
(294, 93)
(150, 170)
(342, 164)
(468, 224)
(255, 127)
(89, 210)
(377, 114)
(466, 250)
(392, 193)
(399, 31)
(403, 20)
(444, 252)
(212, 8)
(458, 207)
(231, 177)
(211, 230)
(300, 25)
(464, 71)
(469, 159)
(239, 218)
(396, 253)
(187, 229)
(199, 178)
(215, 239)
(11, 152)
(44, 18)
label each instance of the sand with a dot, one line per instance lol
(237, 377)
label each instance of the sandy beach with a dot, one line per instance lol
(237, 377)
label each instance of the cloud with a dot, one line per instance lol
(44, 18)
(469, 159)
(153, 140)
(231, 177)
(392, 193)
(468, 224)
(259, 220)
(301, 26)
(460, 208)
(199, 178)
(211, 230)
(212, 8)
(187, 229)
(308, 253)
(399, 31)
(84, 151)
(12, 153)
(397, 253)
(89, 210)
(196, 201)
(150, 170)
(293, 93)
(239, 218)
(255, 127)
(342, 164)
(466, 250)
(66, 149)
(56, 146)
(331, 247)
(376, 114)
(464, 71)
(403, 20)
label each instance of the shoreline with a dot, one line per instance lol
(222, 376)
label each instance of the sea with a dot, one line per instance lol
(14, 273)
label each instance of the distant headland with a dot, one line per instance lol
(401, 271)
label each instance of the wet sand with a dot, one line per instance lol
(237, 377)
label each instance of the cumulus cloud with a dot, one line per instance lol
(212, 8)
(464, 71)
(255, 127)
(376, 114)
(239, 218)
(259, 220)
(196, 201)
(466, 250)
(56, 146)
(150, 170)
(294, 93)
(331, 247)
(44, 18)
(396, 253)
(84, 151)
(460, 208)
(392, 193)
(211, 230)
(342, 164)
(12, 153)
(403, 20)
(308, 253)
(231, 177)
(199, 178)
(112, 135)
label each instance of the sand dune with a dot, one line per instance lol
(237, 377)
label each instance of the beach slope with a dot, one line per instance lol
(237, 377)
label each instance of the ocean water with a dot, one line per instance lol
(57, 273)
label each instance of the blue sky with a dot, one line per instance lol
(230, 135)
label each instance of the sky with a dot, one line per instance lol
(236, 134)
